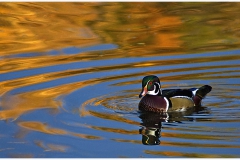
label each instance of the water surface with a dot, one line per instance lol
(70, 75)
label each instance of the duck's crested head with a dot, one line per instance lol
(150, 85)
(150, 78)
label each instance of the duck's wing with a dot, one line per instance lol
(178, 92)
(201, 92)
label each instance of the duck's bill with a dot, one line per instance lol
(143, 92)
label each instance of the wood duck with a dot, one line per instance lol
(157, 100)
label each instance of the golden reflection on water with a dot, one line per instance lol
(43, 26)
(51, 147)
(113, 117)
(163, 143)
(189, 155)
(146, 28)
(199, 145)
(40, 127)
(38, 99)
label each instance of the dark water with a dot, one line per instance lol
(70, 75)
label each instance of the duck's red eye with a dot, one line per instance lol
(150, 83)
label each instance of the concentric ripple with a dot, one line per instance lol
(101, 103)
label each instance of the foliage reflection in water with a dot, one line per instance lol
(70, 75)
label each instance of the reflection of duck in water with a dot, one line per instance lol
(151, 128)
(151, 125)
(157, 100)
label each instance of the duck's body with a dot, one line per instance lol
(157, 100)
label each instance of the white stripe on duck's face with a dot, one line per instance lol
(156, 88)
(151, 86)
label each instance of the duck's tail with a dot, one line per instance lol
(201, 93)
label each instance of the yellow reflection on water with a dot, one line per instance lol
(39, 99)
(189, 155)
(21, 155)
(43, 26)
(40, 127)
(51, 147)
(113, 117)
(140, 28)
(44, 128)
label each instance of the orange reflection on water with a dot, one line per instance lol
(186, 144)
(113, 117)
(44, 128)
(40, 127)
(115, 130)
(189, 155)
(143, 28)
(168, 40)
(140, 27)
(51, 147)
(39, 99)
(127, 141)
(193, 136)
(43, 26)
(21, 155)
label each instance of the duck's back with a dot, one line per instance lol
(177, 92)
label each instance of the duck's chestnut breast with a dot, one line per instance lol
(153, 104)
